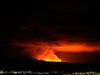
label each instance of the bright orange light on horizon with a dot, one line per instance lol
(48, 55)
(46, 50)
(52, 60)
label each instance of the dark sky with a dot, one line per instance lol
(67, 17)
(49, 20)
(71, 18)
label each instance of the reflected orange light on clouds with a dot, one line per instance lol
(46, 50)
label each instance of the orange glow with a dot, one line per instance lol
(46, 50)
(48, 55)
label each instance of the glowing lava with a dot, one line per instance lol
(48, 55)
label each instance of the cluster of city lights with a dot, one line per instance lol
(48, 73)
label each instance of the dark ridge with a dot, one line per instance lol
(34, 65)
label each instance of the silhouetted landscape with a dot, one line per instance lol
(36, 65)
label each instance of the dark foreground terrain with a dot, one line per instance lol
(34, 65)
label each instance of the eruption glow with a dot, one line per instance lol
(46, 50)
(48, 55)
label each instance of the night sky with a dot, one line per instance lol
(50, 21)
